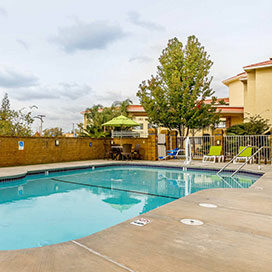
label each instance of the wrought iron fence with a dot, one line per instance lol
(232, 144)
(200, 145)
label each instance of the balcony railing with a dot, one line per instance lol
(125, 134)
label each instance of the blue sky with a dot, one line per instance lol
(66, 55)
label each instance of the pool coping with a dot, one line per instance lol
(92, 248)
(25, 173)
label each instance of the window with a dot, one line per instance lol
(221, 124)
(141, 126)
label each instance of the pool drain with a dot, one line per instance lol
(140, 222)
(191, 222)
(207, 205)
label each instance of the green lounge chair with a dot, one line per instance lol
(214, 153)
(245, 155)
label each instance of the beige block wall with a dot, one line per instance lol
(43, 150)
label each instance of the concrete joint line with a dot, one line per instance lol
(103, 256)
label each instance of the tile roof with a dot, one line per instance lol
(135, 108)
(242, 75)
(228, 109)
(225, 99)
(259, 64)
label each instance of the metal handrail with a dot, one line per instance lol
(225, 166)
(248, 159)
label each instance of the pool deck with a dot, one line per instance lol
(236, 236)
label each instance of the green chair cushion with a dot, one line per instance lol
(215, 150)
(245, 153)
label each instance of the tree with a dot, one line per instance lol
(12, 122)
(174, 98)
(98, 115)
(52, 132)
(255, 125)
(121, 107)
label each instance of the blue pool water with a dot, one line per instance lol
(45, 209)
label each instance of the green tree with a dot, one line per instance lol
(254, 125)
(53, 132)
(174, 98)
(120, 107)
(12, 122)
(98, 115)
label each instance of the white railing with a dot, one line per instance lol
(232, 144)
(200, 145)
(125, 134)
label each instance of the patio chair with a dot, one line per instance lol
(126, 152)
(245, 155)
(214, 153)
(172, 154)
(136, 152)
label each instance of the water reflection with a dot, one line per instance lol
(122, 201)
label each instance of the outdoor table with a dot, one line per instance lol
(116, 152)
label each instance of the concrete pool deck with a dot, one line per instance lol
(236, 236)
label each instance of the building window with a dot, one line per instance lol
(221, 124)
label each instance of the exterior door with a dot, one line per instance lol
(161, 145)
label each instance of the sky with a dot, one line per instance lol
(65, 55)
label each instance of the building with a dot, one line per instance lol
(252, 89)
(250, 93)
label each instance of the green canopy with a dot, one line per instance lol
(121, 121)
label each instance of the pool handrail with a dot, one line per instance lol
(226, 165)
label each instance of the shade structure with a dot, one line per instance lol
(121, 121)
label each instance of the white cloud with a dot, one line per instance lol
(63, 90)
(3, 12)
(9, 78)
(87, 36)
(134, 18)
(23, 44)
(143, 59)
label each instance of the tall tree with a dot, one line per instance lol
(6, 116)
(174, 98)
(12, 122)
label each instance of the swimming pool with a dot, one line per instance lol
(50, 208)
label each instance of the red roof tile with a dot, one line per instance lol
(137, 108)
(226, 109)
(263, 63)
(225, 99)
(241, 75)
